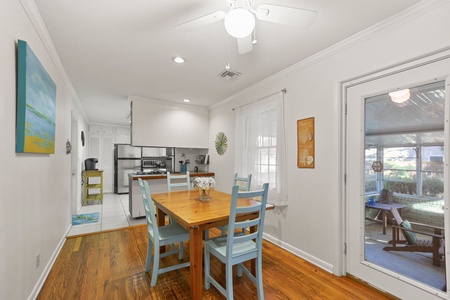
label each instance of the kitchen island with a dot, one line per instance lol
(157, 184)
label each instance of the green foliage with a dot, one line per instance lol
(402, 187)
(433, 187)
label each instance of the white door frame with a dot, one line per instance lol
(341, 259)
(74, 184)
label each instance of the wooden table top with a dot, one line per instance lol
(188, 211)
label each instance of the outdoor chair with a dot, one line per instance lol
(411, 243)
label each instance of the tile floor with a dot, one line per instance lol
(114, 213)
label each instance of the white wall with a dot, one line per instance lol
(309, 226)
(35, 188)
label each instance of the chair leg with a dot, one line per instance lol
(239, 270)
(229, 281)
(180, 251)
(259, 281)
(156, 259)
(149, 256)
(207, 266)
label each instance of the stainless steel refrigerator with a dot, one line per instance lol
(127, 159)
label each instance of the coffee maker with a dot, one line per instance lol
(89, 164)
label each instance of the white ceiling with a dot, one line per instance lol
(113, 49)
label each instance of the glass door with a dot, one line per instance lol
(397, 133)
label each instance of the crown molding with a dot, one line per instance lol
(38, 23)
(387, 24)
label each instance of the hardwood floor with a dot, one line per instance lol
(110, 265)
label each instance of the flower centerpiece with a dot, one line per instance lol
(204, 184)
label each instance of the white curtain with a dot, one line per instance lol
(261, 145)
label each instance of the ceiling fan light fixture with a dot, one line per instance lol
(400, 96)
(239, 22)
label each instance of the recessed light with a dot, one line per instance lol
(178, 59)
(186, 100)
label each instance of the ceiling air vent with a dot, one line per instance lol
(229, 74)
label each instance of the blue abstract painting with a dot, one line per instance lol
(36, 104)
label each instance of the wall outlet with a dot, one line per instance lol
(38, 260)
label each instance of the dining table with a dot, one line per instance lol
(185, 208)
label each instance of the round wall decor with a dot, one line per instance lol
(221, 143)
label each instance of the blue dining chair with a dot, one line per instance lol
(237, 247)
(175, 181)
(161, 236)
(244, 184)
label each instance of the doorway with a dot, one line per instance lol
(391, 149)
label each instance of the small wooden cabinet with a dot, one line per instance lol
(96, 187)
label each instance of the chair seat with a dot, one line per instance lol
(173, 230)
(219, 246)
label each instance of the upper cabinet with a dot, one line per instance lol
(150, 151)
(99, 129)
(156, 124)
(120, 135)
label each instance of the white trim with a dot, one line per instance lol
(404, 16)
(38, 23)
(37, 288)
(306, 256)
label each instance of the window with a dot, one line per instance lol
(260, 145)
(408, 138)
(399, 174)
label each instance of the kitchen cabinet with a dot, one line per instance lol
(156, 124)
(93, 186)
(152, 151)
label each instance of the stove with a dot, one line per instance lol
(151, 172)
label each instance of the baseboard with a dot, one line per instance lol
(306, 256)
(48, 267)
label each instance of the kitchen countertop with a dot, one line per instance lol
(163, 176)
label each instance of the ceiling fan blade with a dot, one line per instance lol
(245, 44)
(202, 21)
(286, 15)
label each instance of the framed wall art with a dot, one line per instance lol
(36, 104)
(305, 143)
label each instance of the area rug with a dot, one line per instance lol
(85, 218)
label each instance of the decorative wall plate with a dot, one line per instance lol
(221, 143)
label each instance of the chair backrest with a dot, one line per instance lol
(244, 183)
(149, 210)
(233, 237)
(410, 236)
(183, 180)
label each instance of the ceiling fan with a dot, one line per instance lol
(240, 20)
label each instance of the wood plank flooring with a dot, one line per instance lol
(110, 265)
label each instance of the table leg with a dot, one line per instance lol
(161, 220)
(196, 259)
(384, 221)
